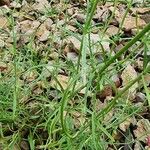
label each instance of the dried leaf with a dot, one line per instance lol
(140, 10)
(25, 25)
(116, 135)
(44, 36)
(109, 116)
(103, 39)
(70, 11)
(3, 66)
(54, 55)
(107, 91)
(148, 141)
(48, 23)
(37, 90)
(4, 2)
(138, 1)
(116, 80)
(137, 146)
(143, 130)
(146, 17)
(28, 28)
(15, 4)
(147, 79)
(4, 10)
(147, 147)
(139, 63)
(125, 124)
(140, 97)
(79, 119)
(94, 39)
(72, 56)
(42, 33)
(112, 30)
(80, 17)
(48, 69)
(117, 13)
(131, 22)
(75, 42)
(128, 75)
(2, 43)
(71, 28)
(102, 14)
(41, 5)
(30, 76)
(63, 80)
(24, 145)
(99, 13)
(3, 22)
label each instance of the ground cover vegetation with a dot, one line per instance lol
(74, 74)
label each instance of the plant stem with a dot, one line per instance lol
(89, 18)
(125, 48)
(114, 101)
